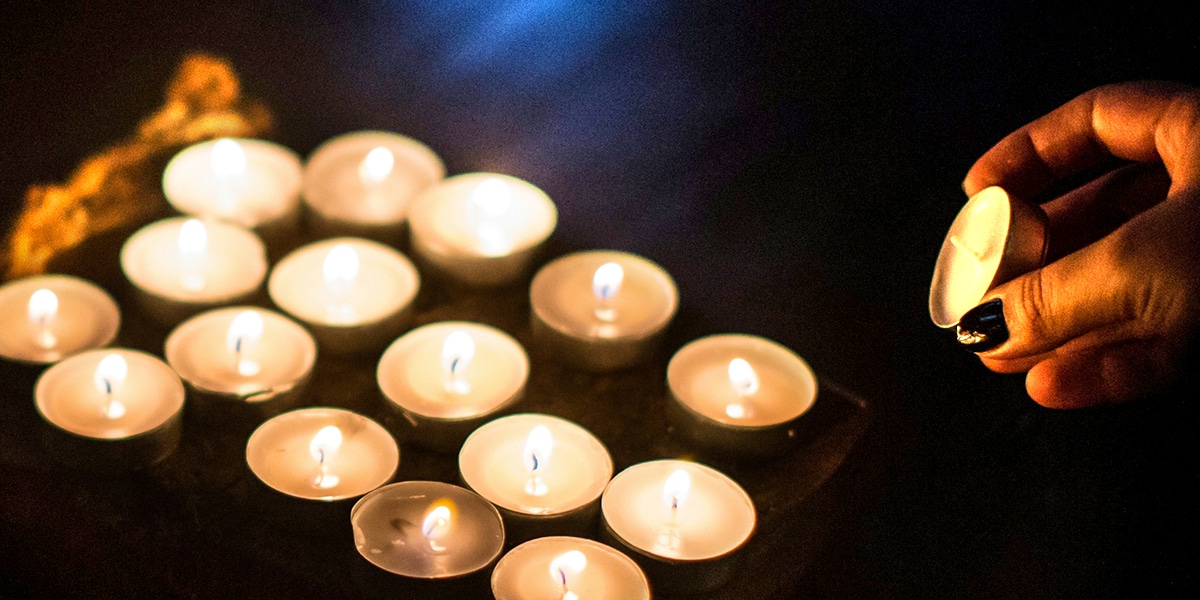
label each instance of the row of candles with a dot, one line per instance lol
(448, 381)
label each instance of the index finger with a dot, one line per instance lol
(1141, 121)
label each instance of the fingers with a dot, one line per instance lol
(1118, 373)
(1142, 122)
(1092, 211)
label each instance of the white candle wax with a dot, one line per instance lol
(183, 265)
(109, 394)
(602, 310)
(481, 228)
(247, 352)
(993, 239)
(699, 515)
(368, 177)
(48, 317)
(354, 294)
(535, 464)
(245, 181)
(323, 454)
(557, 568)
(453, 370)
(427, 530)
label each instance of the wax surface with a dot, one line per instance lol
(698, 376)
(561, 295)
(87, 317)
(525, 574)
(266, 190)
(492, 462)
(334, 188)
(970, 256)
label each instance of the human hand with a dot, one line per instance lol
(1111, 321)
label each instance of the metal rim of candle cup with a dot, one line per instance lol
(1026, 245)
(112, 454)
(442, 434)
(747, 441)
(319, 160)
(108, 310)
(467, 267)
(279, 160)
(458, 494)
(615, 554)
(331, 411)
(592, 353)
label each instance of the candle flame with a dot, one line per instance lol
(324, 446)
(438, 522)
(564, 566)
(538, 447)
(341, 267)
(228, 159)
(676, 488)
(376, 166)
(43, 305)
(457, 352)
(492, 196)
(742, 377)
(244, 332)
(606, 283)
(110, 378)
(193, 237)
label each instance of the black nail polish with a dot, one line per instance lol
(983, 327)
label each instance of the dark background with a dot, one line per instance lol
(794, 165)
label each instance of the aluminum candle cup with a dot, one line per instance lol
(481, 229)
(554, 568)
(601, 310)
(445, 379)
(545, 474)
(46, 318)
(426, 538)
(739, 394)
(993, 239)
(681, 521)
(355, 295)
(316, 461)
(182, 266)
(111, 410)
(243, 361)
(253, 183)
(361, 183)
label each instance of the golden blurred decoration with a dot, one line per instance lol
(114, 188)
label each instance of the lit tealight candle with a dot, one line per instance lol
(361, 183)
(181, 266)
(428, 532)
(243, 356)
(568, 568)
(481, 228)
(447, 378)
(354, 294)
(741, 394)
(602, 310)
(116, 409)
(244, 181)
(545, 474)
(322, 454)
(683, 522)
(48, 317)
(993, 239)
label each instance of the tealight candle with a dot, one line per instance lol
(361, 183)
(428, 532)
(111, 409)
(46, 318)
(545, 474)
(993, 239)
(244, 181)
(481, 228)
(355, 295)
(322, 454)
(180, 266)
(447, 378)
(601, 310)
(739, 393)
(242, 356)
(567, 568)
(683, 522)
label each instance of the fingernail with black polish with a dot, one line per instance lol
(983, 327)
